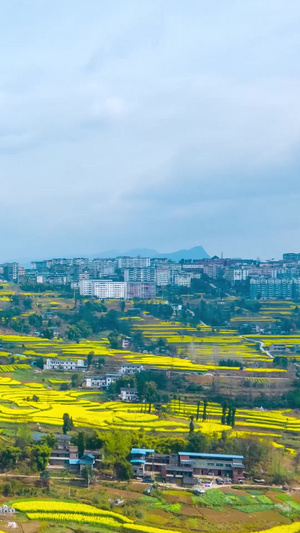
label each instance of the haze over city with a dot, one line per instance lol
(155, 124)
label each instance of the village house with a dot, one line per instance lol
(78, 365)
(128, 394)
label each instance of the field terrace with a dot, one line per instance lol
(18, 406)
(200, 348)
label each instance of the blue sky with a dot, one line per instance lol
(149, 123)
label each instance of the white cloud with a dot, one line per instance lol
(118, 119)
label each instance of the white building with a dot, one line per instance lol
(102, 289)
(131, 369)
(128, 395)
(163, 276)
(67, 364)
(183, 279)
(133, 262)
(101, 382)
(94, 383)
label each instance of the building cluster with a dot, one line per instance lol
(127, 394)
(186, 468)
(122, 277)
(65, 456)
(141, 277)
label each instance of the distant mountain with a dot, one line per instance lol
(197, 252)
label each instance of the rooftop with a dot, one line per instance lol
(210, 455)
(141, 451)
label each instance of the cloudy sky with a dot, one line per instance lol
(149, 123)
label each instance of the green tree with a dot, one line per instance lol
(88, 474)
(124, 470)
(81, 443)
(94, 441)
(204, 415)
(50, 440)
(67, 423)
(90, 359)
(224, 410)
(23, 438)
(198, 409)
(75, 380)
(9, 457)
(150, 393)
(45, 476)
(229, 417)
(117, 445)
(233, 417)
(40, 456)
(197, 442)
(192, 426)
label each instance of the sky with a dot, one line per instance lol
(148, 123)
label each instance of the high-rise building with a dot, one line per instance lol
(11, 272)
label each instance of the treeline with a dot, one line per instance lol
(25, 455)
(92, 318)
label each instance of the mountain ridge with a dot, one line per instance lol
(196, 252)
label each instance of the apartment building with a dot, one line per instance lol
(163, 276)
(140, 290)
(133, 262)
(182, 279)
(271, 289)
(102, 289)
(11, 272)
(140, 274)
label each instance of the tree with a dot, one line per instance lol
(50, 440)
(117, 445)
(75, 380)
(45, 476)
(90, 359)
(124, 470)
(113, 340)
(9, 457)
(224, 410)
(204, 415)
(67, 423)
(81, 443)
(197, 442)
(233, 417)
(23, 438)
(88, 474)
(150, 393)
(94, 441)
(229, 417)
(192, 427)
(40, 456)
(198, 409)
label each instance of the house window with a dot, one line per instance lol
(228, 465)
(210, 464)
(219, 464)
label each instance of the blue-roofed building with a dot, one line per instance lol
(66, 456)
(138, 460)
(215, 464)
(185, 467)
